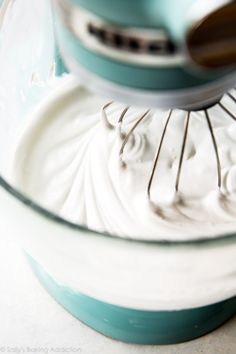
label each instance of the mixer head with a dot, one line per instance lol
(152, 53)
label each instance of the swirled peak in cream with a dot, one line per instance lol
(69, 161)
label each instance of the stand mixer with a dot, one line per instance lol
(155, 54)
(177, 56)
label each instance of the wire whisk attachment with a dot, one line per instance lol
(125, 137)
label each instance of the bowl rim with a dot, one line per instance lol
(43, 212)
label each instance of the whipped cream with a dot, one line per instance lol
(67, 160)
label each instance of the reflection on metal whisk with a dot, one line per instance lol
(125, 138)
(123, 164)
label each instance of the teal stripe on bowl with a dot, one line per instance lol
(137, 326)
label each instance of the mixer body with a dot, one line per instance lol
(144, 52)
(155, 53)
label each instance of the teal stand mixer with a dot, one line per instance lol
(167, 54)
(155, 54)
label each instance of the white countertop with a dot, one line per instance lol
(32, 322)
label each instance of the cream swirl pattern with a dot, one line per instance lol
(67, 160)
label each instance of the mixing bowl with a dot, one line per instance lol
(130, 290)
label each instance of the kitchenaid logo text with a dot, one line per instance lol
(43, 350)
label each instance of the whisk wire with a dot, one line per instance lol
(157, 155)
(215, 147)
(225, 109)
(120, 121)
(129, 135)
(104, 116)
(182, 151)
(231, 96)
